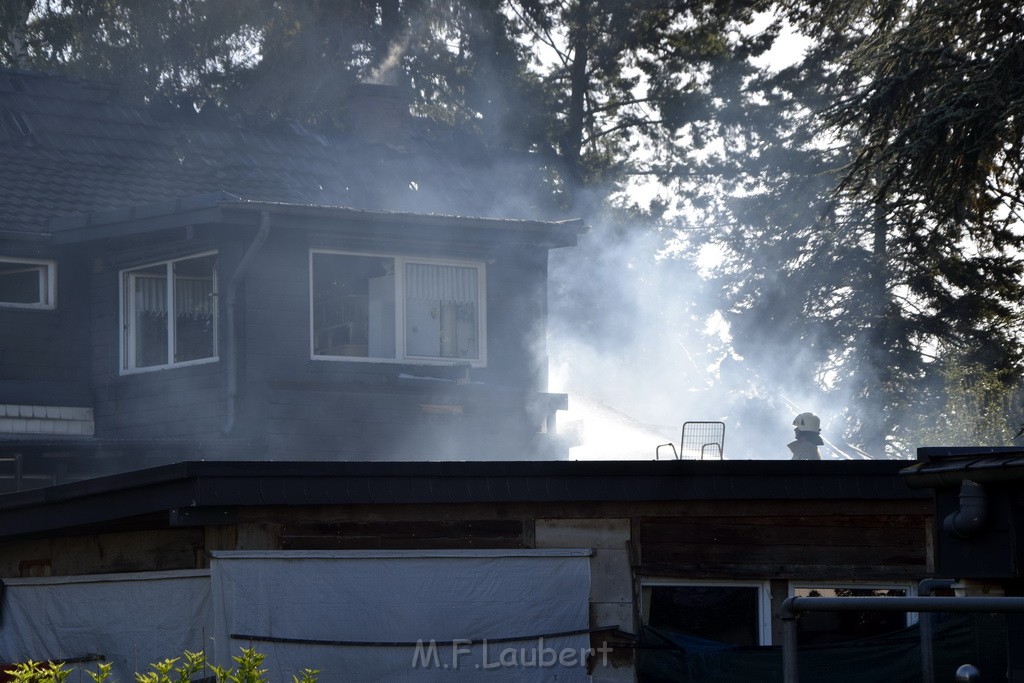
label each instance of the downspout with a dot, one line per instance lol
(231, 350)
(970, 519)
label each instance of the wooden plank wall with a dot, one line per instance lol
(862, 541)
(755, 540)
(43, 355)
(179, 403)
(363, 421)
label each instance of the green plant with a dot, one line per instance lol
(248, 670)
(39, 672)
(308, 676)
(194, 663)
(103, 673)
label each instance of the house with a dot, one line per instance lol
(346, 566)
(284, 387)
(182, 286)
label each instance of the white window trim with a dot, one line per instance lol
(400, 336)
(908, 586)
(127, 350)
(764, 599)
(47, 284)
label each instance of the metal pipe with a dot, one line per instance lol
(793, 606)
(790, 659)
(895, 604)
(925, 626)
(231, 360)
(970, 518)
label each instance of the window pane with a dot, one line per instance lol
(194, 309)
(441, 311)
(353, 306)
(820, 628)
(726, 614)
(22, 283)
(148, 321)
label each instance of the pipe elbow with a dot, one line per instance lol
(970, 519)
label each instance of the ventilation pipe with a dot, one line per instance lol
(232, 303)
(970, 519)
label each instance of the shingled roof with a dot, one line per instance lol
(72, 147)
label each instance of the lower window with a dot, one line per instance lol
(725, 612)
(170, 313)
(822, 628)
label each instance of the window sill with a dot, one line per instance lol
(172, 366)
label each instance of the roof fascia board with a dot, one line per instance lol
(136, 226)
(350, 222)
(341, 221)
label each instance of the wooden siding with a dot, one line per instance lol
(186, 402)
(152, 550)
(365, 421)
(755, 540)
(330, 408)
(406, 534)
(781, 545)
(44, 353)
(324, 409)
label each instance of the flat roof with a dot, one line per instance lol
(191, 487)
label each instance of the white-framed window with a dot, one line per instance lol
(169, 313)
(823, 628)
(372, 307)
(27, 283)
(734, 612)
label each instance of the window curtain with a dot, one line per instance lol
(428, 283)
(193, 297)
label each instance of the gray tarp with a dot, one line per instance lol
(375, 606)
(129, 619)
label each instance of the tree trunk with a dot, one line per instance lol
(575, 124)
(17, 34)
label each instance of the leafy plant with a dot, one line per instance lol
(308, 676)
(103, 673)
(39, 672)
(195, 662)
(247, 670)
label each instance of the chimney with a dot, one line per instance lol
(379, 113)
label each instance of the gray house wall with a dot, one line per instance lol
(176, 403)
(44, 352)
(289, 406)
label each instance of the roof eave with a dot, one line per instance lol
(223, 209)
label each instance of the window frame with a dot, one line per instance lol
(401, 355)
(127, 335)
(910, 587)
(47, 284)
(764, 599)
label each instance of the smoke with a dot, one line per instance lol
(386, 72)
(634, 340)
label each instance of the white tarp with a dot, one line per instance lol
(129, 619)
(407, 615)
